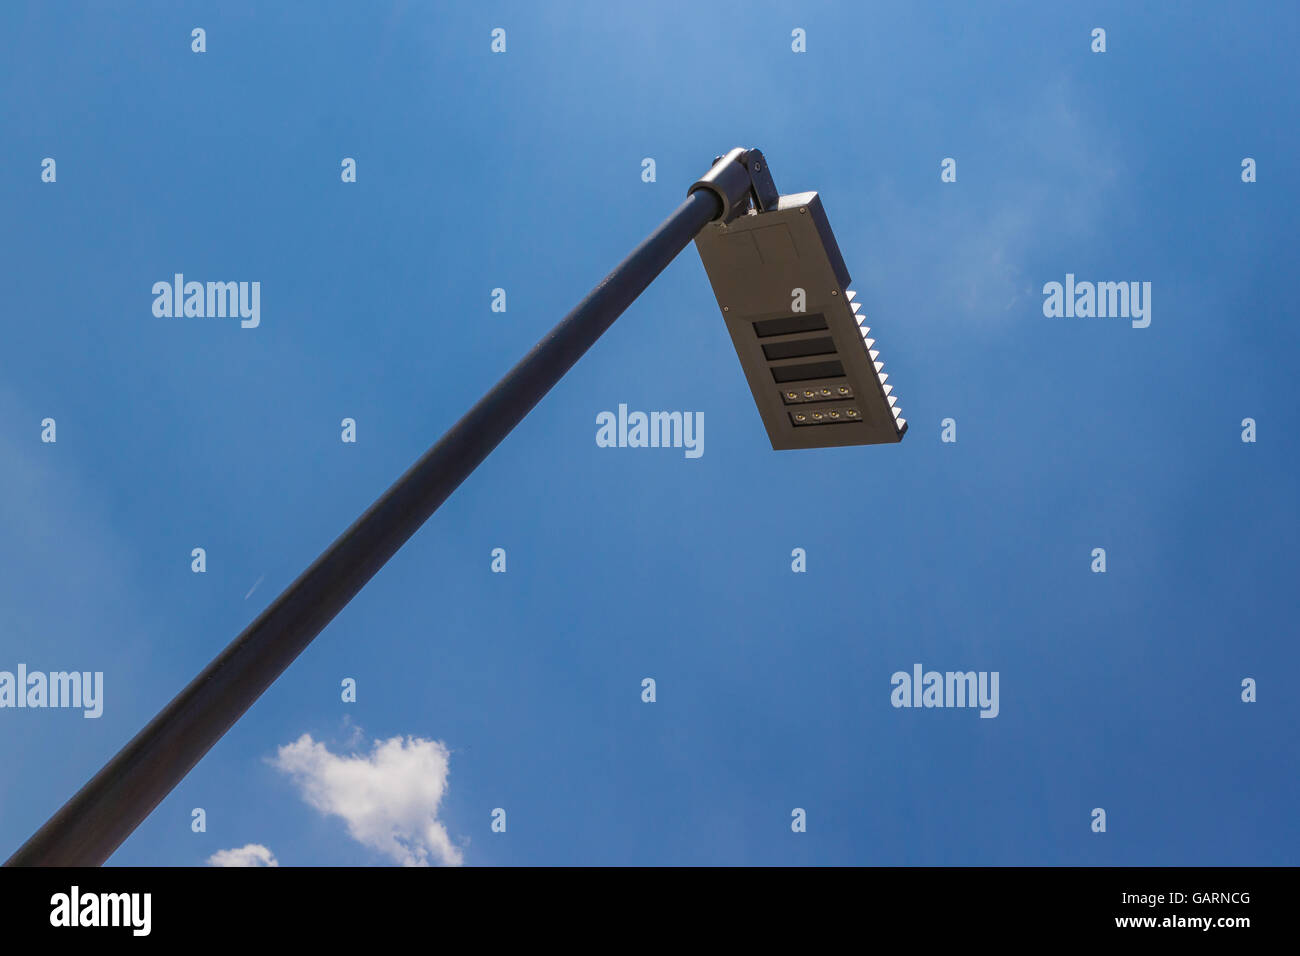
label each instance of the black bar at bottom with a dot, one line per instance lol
(1154, 909)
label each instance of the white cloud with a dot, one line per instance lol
(388, 799)
(252, 854)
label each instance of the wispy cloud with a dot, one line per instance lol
(252, 854)
(969, 243)
(254, 587)
(389, 799)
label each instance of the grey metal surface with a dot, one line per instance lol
(811, 372)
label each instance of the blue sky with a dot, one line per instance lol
(522, 171)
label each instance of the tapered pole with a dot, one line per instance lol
(103, 813)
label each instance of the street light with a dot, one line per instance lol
(103, 813)
(781, 283)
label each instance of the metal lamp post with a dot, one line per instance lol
(104, 812)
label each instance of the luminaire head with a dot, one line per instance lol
(810, 359)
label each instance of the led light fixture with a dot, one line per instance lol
(802, 339)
